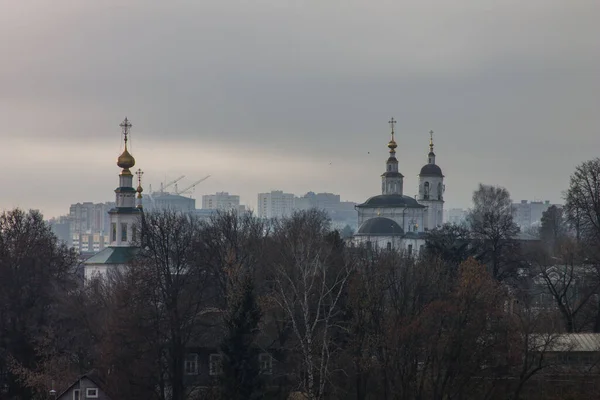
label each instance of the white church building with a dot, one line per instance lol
(395, 221)
(124, 219)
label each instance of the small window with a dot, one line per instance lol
(410, 249)
(123, 232)
(215, 364)
(76, 394)
(91, 393)
(389, 245)
(114, 232)
(266, 363)
(191, 364)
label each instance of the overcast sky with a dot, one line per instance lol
(265, 95)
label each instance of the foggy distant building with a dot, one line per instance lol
(527, 214)
(275, 204)
(168, 201)
(456, 216)
(341, 212)
(395, 221)
(61, 227)
(89, 217)
(222, 201)
(87, 221)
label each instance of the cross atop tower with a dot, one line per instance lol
(125, 125)
(392, 122)
(139, 174)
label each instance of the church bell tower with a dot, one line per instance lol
(431, 190)
(391, 179)
(124, 216)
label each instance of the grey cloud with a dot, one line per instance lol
(511, 88)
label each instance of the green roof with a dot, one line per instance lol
(113, 255)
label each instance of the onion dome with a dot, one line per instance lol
(392, 145)
(431, 170)
(125, 160)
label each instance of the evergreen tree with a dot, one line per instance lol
(241, 371)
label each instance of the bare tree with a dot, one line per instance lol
(170, 288)
(309, 278)
(491, 222)
(35, 272)
(583, 199)
(529, 343)
(569, 281)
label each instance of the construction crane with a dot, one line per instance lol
(192, 186)
(174, 181)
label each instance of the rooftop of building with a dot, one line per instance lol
(390, 200)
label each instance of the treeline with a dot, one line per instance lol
(290, 310)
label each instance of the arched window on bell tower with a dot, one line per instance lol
(426, 191)
(439, 191)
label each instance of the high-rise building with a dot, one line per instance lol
(529, 213)
(342, 213)
(275, 204)
(89, 217)
(222, 201)
(168, 201)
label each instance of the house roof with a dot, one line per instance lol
(113, 255)
(568, 342)
(92, 376)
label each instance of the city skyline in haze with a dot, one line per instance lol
(295, 96)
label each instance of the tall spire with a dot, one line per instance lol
(392, 144)
(431, 155)
(123, 216)
(431, 141)
(125, 160)
(391, 178)
(139, 189)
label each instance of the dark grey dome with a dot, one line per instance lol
(391, 200)
(380, 226)
(431, 170)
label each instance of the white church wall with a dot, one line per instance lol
(409, 245)
(410, 219)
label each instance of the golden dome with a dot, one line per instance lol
(125, 160)
(392, 144)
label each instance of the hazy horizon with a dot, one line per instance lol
(295, 96)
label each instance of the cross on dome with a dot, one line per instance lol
(125, 125)
(139, 174)
(431, 141)
(392, 122)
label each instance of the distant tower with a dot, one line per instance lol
(431, 189)
(125, 215)
(139, 189)
(123, 219)
(391, 179)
